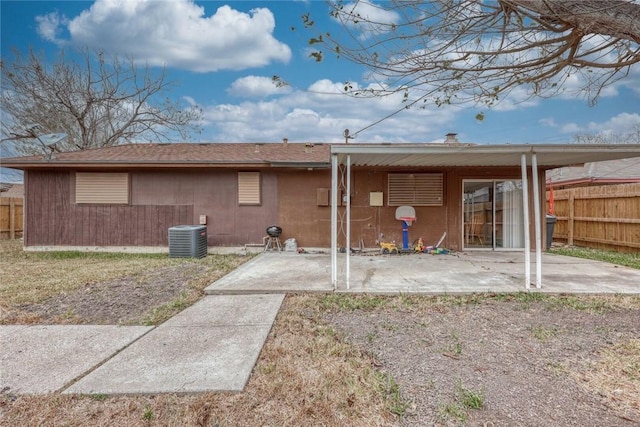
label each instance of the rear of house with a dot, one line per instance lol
(129, 195)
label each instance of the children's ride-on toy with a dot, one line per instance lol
(388, 248)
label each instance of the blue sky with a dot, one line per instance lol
(222, 56)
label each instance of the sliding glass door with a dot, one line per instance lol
(492, 212)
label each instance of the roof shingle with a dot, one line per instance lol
(188, 153)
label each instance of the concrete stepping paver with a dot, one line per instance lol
(211, 346)
(44, 358)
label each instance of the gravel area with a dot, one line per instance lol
(524, 361)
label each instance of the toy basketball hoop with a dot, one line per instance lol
(406, 214)
(408, 220)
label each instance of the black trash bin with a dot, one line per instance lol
(551, 222)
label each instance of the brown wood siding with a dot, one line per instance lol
(212, 193)
(298, 212)
(54, 221)
(375, 224)
(161, 199)
(301, 218)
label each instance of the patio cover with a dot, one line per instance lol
(465, 155)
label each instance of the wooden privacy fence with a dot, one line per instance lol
(11, 209)
(603, 217)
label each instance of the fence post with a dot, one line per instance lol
(570, 221)
(12, 218)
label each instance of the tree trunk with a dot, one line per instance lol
(616, 18)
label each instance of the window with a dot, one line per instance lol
(492, 212)
(102, 188)
(249, 188)
(415, 189)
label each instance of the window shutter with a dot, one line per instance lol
(249, 188)
(415, 189)
(102, 188)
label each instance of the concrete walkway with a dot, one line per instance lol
(211, 346)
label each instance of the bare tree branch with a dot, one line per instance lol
(630, 137)
(97, 102)
(478, 51)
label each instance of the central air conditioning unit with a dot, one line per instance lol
(188, 241)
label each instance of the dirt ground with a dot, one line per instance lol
(496, 360)
(125, 300)
(530, 362)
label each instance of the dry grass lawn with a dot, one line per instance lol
(29, 277)
(324, 363)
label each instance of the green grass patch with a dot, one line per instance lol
(579, 303)
(464, 399)
(469, 398)
(350, 302)
(395, 403)
(166, 311)
(619, 258)
(452, 411)
(543, 333)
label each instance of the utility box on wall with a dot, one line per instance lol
(322, 197)
(376, 198)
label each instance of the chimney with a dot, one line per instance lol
(285, 141)
(451, 138)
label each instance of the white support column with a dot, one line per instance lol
(334, 221)
(525, 213)
(537, 219)
(348, 243)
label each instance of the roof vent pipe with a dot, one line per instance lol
(284, 141)
(451, 139)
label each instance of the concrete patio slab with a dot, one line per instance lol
(463, 272)
(43, 359)
(281, 271)
(11, 329)
(211, 346)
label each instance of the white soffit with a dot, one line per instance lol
(462, 155)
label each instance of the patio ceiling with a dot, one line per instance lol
(465, 155)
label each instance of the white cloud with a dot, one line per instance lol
(320, 114)
(367, 18)
(255, 87)
(571, 128)
(619, 124)
(548, 122)
(174, 34)
(50, 25)
(372, 12)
